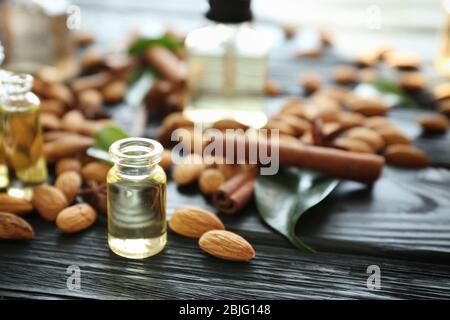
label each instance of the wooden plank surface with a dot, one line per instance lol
(401, 224)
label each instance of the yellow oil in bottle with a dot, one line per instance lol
(136, 199)
(4, 179)
(22, 135)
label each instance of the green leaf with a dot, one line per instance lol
(387, 86)
(282, 198)
(107, 136)
(142, 43)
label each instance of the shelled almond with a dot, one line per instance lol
(434, 123)
(194, 222)
(406, 156)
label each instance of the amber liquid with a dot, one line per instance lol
(23, 144)
(137, 213)
(4, 179)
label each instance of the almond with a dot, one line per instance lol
(91, 58)
(272, 89)
(67, 164)
(436, 123)
(69, 183)
(226, 245)
(353, 145)
(95, 171)
(189, 170)
(49, 121)
(300, 125)
(392, 136)
(412, 81)
(14, 227)
(345, 74)
(90, 99)
(76, 218)
(367, 106)
(166, 160)
(372, 138)
(48, 201)
(444, 107)
(210, 181)
(73, 121)
(14, 205)
(378, 122)
(402, 60)
(66, 146)
(350, 119)
(283, 127)
(406, 156)
(229, 124)
(311, 81)
(193, 222)
(441, 91)
(54, 107)
(114, 92)
(60, 92)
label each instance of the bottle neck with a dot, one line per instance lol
(132, 172)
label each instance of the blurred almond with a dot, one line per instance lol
(311, 81)
(14, 227)
(69, 183)
(435, 123)
(353, 145)
(372, 138)
(76, 218)
(67, 164)
(210, 180)
(114, 92)
(189, 170)
(345, 74)
(95, 171)
(49, 201)
(14, 205)
(406, 156)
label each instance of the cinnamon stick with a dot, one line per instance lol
(167, 64)
(338, 163)
(234, 194)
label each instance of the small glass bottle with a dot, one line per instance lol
(4, 178)
(22, 133)
(136, 198)
(227, 63)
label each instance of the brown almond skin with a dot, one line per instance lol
(436, 123)
(406, 156)
(367, 107)
(114, 92)
(69, 183)
(67, 164)
(272, 89)
(166, 160)
(210, 181)
(228, 124)
(14, 205)
(369, 136)
(353, 145)
(189, 171)
(76, 218)
(66, 146)
(226, 245)
(392, 136)
(14, 227)
(95, 171)
(193, 222)
(49, 201)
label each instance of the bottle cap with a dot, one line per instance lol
(229, 11)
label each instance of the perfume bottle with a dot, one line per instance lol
(4, 178)
(136, 192)
(22, 134)
(227, 63)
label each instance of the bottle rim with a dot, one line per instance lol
(17, 83)
(136, 152)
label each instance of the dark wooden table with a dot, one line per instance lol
(401, 224)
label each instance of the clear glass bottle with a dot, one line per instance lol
(227, 63)
(22, 133)
(136, 198)
(4, 178)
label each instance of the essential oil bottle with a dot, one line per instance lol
(227, 63)
(4, 178)
(136, 198)
(22, 133)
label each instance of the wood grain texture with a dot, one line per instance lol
(401, 223)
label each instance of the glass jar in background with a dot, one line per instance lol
(227, 63)
(136, 191)
(4, 178)
(22, 134)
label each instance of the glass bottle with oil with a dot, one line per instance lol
(227, 67)
(4, 178)
(136, 191)
(22, 134)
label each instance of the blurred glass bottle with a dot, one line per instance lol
(228, 66)
(34, 33)
(22, 134)
(4, 179)
(442, 61)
